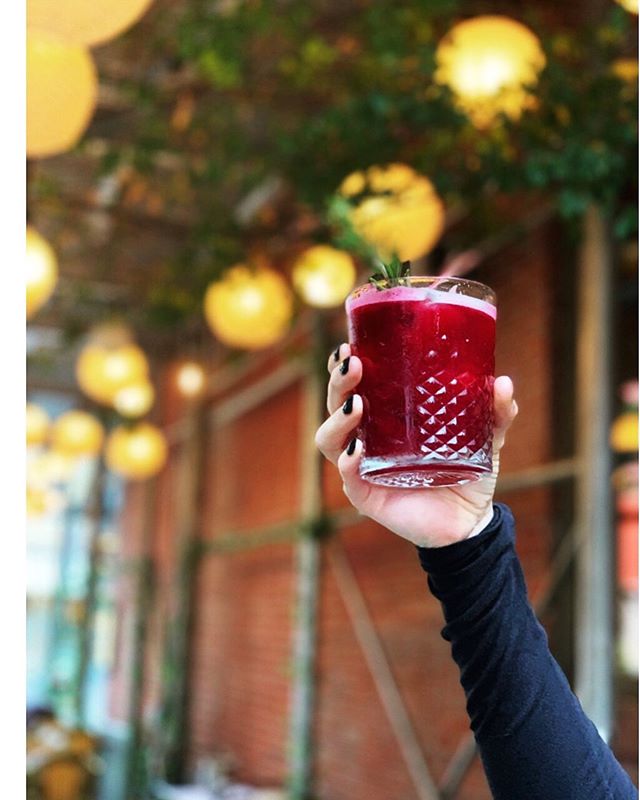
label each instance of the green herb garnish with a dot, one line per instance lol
(395, 273)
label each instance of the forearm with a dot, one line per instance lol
(535, 741)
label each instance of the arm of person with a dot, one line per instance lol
(534, 739)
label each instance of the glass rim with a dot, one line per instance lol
(475, 289)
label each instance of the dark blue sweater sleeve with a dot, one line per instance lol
(535, 741)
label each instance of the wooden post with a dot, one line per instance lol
(382, 675)
(95, 512)
(135, 768)
(594, 519)
(176, 702)
(300, 750)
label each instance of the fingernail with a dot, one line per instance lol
(347, 407)
(344, 367)
(351, 447)
(336, 354)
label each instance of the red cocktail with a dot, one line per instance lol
(427, 350)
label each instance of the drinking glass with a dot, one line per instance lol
(428, 351)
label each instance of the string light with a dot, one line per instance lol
(42, 271)
(249, 309)
(62, 89)
(490, 62)
(137, 452)
(324, 276)
(400, 211)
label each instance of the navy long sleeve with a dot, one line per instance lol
(535, 741)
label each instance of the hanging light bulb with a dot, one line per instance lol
(42, 271)
(102, 372)
(624, 430)
(190, 379)
(137, 452)
(629, 5)
(490, 62)
(249, 309)
(76, 434)
(324, 276)
(134, 400)
(62, 89)
(38, 424)
(400, 212)
(82, 22)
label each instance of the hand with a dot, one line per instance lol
(427, 517)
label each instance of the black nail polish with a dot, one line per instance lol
(344, 367)
(347, 407)
(336, 354)
(351, 447)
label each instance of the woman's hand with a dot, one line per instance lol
(427, 517)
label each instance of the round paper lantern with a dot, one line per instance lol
(77, 433)
(629, 5)
(137, 452)
(489, 62)
(249, 309)
(38, 423)
(134, 400)
(102, 372)
(324, 276)
(86, 22)
(190, 379)
(397, 210)
(42, 271)
(62, 89)
(624, 433)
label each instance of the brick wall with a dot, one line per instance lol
(240, 655)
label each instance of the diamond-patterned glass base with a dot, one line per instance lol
(420, 476)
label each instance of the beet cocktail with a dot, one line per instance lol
(427, 350)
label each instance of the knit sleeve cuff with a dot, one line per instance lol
(457, 556)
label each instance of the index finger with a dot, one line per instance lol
(341, 352)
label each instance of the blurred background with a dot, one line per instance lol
(207, 180)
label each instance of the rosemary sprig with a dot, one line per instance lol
(393, 273)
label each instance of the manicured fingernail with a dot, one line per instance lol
(344, 367)
(347, 407)
(351, 447)
(336, 354)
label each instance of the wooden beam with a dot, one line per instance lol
(381, 673)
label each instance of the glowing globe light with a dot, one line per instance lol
(249, 309)
(62, 89)
(38, 424)
(190, 379)
(76, 434)
(137, 452)
(490, 62)
(624, 433)
(86, 22)
(626, 69)
(134, 400)
(324, 276)
(42, 271)
(629, 5)
(103, 372)
(396, 209)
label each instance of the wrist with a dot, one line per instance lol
(482, 522)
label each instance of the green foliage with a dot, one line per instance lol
(310, 92)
